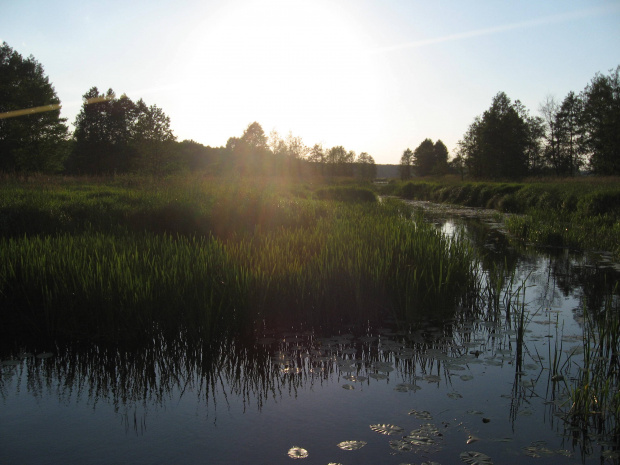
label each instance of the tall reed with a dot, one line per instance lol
(205, 257)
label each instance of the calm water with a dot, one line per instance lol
(439, 389)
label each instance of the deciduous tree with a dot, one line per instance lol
(424, 158)
(33, 136)
(601, 123)
(152, 139)
(366, 167)
(406, 162)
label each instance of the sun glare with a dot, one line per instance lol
(300, 66)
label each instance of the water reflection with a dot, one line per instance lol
(494, 380)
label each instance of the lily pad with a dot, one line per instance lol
(401, 446)
(386, 429)
(475, 458)
(421, 415)
(352, 445)
(45, 355)
(349, 387)
(297, 453)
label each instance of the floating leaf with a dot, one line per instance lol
(387, 429)
(475, 458)
(537, 451)
(454, 395)
(378, 376)
(432, 378)
(466, 377)
(348, 387)
(45, 355)
(297, 453)
(352, 445)
(421, 415)
(421, 441)
(401, 446)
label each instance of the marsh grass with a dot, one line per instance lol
(106, 262)
(595, 394)
(579, 213)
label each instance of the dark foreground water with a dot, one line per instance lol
(464, 391)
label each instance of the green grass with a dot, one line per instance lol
(580, 213)
(128, 258)
(595, 394)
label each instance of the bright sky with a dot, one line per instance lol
(374, 76)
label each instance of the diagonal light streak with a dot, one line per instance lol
(545, 20)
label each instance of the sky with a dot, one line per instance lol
(373, 76)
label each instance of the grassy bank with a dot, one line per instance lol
(580, 213)
(125, 258)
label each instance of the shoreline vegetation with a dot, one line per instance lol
(128, 257)
(578, 213)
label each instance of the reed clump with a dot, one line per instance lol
(595, 394)
(193, 256)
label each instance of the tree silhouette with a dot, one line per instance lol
(503, 142)
(601, 123)
(406, 161)
(33, 136)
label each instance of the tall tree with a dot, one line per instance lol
(152, 138)
(549, 109)
(255, 138)
(424, 158)
(318, 158)
(601, 122)
(503, 142)
(569, 135)
(339, 161)
(33, 136)
(406, 162)
(104, 134)
(366, 167)
(440, 154)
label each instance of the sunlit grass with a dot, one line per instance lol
(131, 257)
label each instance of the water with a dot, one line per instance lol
(442, 389)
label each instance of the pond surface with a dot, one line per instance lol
(461, 391)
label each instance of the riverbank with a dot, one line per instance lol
(579, 213)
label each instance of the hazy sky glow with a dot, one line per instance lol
(374, 76)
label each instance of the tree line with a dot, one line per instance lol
(118, 135)
(580, 133)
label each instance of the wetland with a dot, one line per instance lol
(466, 346)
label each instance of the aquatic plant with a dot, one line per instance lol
(595, 394)
(202, 258)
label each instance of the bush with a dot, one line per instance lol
(346, 194)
